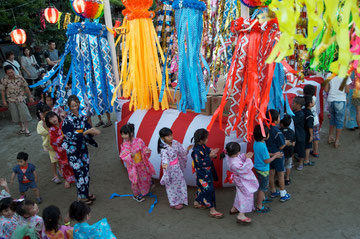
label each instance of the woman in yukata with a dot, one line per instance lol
(136, 155)
(240, 165)
(205, 171)
(80, 212)
(173, 161)
(53, 122)
(77, 134)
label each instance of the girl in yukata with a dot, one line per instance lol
(244, 179)
(205, 171)
(173, 161)
(52, 227)
(8, 221)
(53, 122)
(50, 101)
(136, 155)
(80, 212)
(77, 134)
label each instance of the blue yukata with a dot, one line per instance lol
(101, 229)
(75, 144)
(205, 171)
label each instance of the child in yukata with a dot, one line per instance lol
(52, 227)
(8, 220)
(80, 212)
(244, 179)
(136, 155)
(173, 161)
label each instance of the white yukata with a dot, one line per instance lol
(175, 158)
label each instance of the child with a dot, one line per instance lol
(299, 124)
(202, 159)
(80, 212)
(136, 155)
(43, 130)
(52, 227)
(5, 193)
(309, 125)
(50, 101)
(244, 179)
(262, 160)
(173, 161)
(276, 143)
(289, 135)
(311, 90)
(27, 176)
(8, 222)
(53, 122)
(27, 211)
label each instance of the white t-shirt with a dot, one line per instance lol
(314, 112)
(334, 93)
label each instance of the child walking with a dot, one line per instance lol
(8, 221)
(173, 161)
(136, 155)
(202, 158)
(299, 123)
(52, 225)
(27, 176)
(80, 212)
(43, 130)
(289, 135)
(309, 125)
(276, 143)
(262, 160)
(53, 122)
(244, 179)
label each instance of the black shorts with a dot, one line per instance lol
(300, 149)
(308, 145)
(278, 164)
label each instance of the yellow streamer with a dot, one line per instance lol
(66, 20)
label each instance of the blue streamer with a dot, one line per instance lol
(130, 195)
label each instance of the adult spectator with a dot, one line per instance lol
(29, 64)
(356, 102)
(337, 106)
(14, 87)
(51, 55)
(10, 60)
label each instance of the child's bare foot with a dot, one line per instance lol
(215, 214)
(198, 205)
(337, 144)
(67, 184)
(331, 140)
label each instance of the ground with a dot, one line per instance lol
(324, 200)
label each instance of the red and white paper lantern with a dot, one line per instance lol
(51, 15)
(18, 36)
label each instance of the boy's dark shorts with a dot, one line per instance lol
(308, 145)
(278, 164)
(23, 187)
(263, 180)
(300, 149)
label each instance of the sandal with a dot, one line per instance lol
(199, 206)
(92, 197)
(108, 124)
(300, 167)
(67, 185)
(309, 163)
(245, 221)
(56, 180)
(262, 210)
(99, 124)
(177, 207)
(337, 144)
(233, 213)
(86, 201)
(27, 134)
(217, 215)
(22, 131)
(331, 140)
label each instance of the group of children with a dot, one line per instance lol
(276, 147)
(19, 219)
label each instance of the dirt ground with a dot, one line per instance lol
(324, 200)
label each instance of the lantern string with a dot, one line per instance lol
(14, 16)
(21, 5)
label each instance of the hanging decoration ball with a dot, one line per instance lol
(51, 15)
(256, 3)
(92, 9)
(137, 9)
(18, 36)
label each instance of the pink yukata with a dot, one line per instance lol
(245, 182)
(175, 157)
(139, 168)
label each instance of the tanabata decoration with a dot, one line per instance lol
(18, 36)
(92, 9)
(90, 69)
(51, 14)
(141, 77)
(256, 3)
(189, 26)
(249, 80)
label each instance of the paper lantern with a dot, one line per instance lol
(92, 9)
(18, 36)
(51, 15)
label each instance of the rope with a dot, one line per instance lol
(21, 5)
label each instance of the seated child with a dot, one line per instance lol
(27, 176)
(52, 227)
(80, 212)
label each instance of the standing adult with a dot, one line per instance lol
(356, 101)
(337, 106)
(77, 134)
(28, 64)
(10, 60)
(14, 87)
(51, 55)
